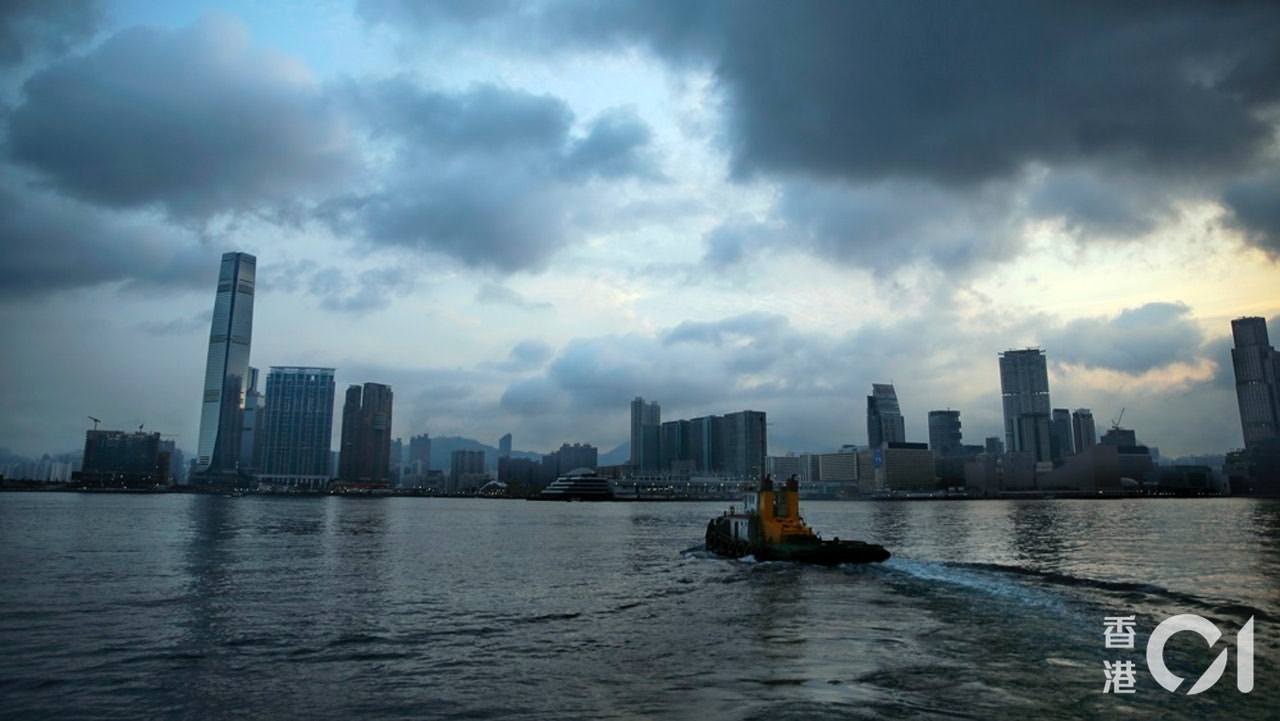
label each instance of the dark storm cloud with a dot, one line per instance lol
(955, 92)
(489, 176)
(1254, 206)
(31, 27)
(1090, 204)
(1136, 340)
(1133, 106)
(197, 121)
(963, 92)
(50, 244)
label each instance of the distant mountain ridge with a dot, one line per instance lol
(442, 449)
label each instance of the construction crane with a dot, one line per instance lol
(95, 422)
(1115, 422)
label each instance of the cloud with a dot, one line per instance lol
(1090, 204)
(494, 294)
(614, 147)
(344, 292)
(50, 244)
(1132, 108)
(197, 121)
(1254, 207)
(33, 27)
(1134, 341)
(489, 176)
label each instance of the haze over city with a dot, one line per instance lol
(522, 216)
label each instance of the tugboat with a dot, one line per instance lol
(770, 529)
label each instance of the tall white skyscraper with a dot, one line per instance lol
(227, 369)
(1024, 386)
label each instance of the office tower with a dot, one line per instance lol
(297, 426)
(227, 367)
(1257, 372)
(1060, 445)
(994, 446)
(884, 419)
(1024, 385)
(944, 433)
(646, 420)
(366, 434)
(1082, 429)
(504, 446)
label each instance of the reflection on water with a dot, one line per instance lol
(211, 607)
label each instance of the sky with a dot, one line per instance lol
(522, 215)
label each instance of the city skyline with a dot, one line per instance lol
(511, 215)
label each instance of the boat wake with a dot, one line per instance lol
(1057, 590)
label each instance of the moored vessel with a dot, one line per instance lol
(769, 527)
(580, 484)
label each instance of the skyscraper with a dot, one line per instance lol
(297, 426)
(366, 434)
(884, 419)
(227, 368)
(944, 433)
(1083, 430)
(646, 422)
(1024, 385)
(743, 444)
(1060, 434)
(1257, 371)
(251, 431)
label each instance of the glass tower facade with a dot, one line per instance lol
(227, 369)
(297, 426)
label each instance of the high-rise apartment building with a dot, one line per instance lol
(420, 453)
(466, 470)
(944, 433)
(227, 367)
(885, 423)
(365, 455)
(1024, 386)
(744, 444)
(1257, 372)
(646, 422)
(297, 426)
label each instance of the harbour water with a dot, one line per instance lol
(174, 606)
